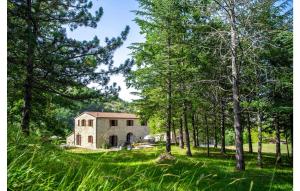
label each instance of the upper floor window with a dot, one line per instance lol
(83, 122)
(129, 122)
(90, 139)
(90, 122)
(113, 122)
(78, 123)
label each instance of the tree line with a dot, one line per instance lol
(48, 72)
(216, 65)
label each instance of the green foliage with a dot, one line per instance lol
(105, 146)
(230, 137)
(47, 70)
(156, 124)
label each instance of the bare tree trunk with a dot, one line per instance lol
(187, 136)
(197, 132)
(215, 131)
(31, 44)
(174, 132)
(194, 130)
(278, 151)
(287, 143)
(169, 114)
(223, 150)
(240, 163)
(206, 131)
(259, 155)
(181, 143)
(249, 134)
(291, 121)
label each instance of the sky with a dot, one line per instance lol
(117, 14)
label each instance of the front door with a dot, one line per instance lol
(113, 140)
(129, 138)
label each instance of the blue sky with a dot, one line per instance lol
(117, 14)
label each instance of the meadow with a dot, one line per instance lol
(46, 167)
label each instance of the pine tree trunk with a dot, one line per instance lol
(186, 129)
(206, 131)
(291, 121)
(287, 144)
(223, 150)
(197, 132)
(194, 131)
(215, 132)
(174, 132)
(31, 44)
(278, 151)
(240, 163)
(259, 155)
(249, 134)
(169, 114)
(181, 142)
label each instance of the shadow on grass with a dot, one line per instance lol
(136, 170)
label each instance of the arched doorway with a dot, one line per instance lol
(129, 138)
(113, 140)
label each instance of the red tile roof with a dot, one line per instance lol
(112, 115)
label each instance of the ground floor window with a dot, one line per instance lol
(78, 139)
(90, 139)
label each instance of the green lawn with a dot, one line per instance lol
(46, 168)
(267, 148)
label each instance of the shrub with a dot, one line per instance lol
(105, 146)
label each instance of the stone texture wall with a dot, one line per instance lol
(86, 131)
(104, 130)
(70, 139)
(101, 131)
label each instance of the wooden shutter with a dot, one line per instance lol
(78, 139)
(90, 139)
(91, 123)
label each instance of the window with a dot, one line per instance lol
(129, 122)
(78, 122)
(90, 139)
(143, 123)
(78, 139)
(83, 122)
(113, 122)
(90, 122)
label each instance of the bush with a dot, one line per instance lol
(229, 137)
(105, 146)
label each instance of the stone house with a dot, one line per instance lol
(95, 129)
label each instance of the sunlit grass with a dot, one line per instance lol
(267, 148)
(48, 168)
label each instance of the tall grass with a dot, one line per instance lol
(34, 165)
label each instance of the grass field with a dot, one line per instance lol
(37, 167)
(267, 148)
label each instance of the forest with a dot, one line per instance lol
(217, 74)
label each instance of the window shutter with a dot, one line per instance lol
(90, 139)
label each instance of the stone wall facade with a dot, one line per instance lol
(104, 131)
(84, 131)
(101, 132)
